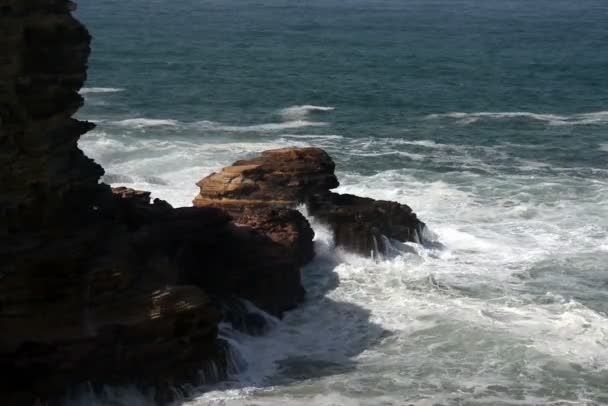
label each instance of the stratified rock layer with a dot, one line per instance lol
(279, 178)
(105, 287)
(287, 177)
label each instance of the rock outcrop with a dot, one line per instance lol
(277, 178)
(100, 286)
(285, 178)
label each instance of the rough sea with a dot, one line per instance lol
(488, 117)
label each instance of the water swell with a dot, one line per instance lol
(206, 125)
(100, 90)
(598, 117)
(301, 112)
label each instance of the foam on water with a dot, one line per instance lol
(400, 331)
(427, 329)
(599, 117)
(273, 126)
(99, 90)
(143, 123)
(301, 112)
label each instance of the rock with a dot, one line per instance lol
(280, 177)
(100, 286)
(363, 225)
(286, 227)
(284, 178)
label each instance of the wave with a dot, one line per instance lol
(272, 126)
(144, 122)
(604, 147)
(301, 112)
(97, 90)
(139, 123)
(314, 136)
(412, 156)
(598, 117)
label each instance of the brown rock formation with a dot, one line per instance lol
(287, 177)
(98, 286)
(279, 178)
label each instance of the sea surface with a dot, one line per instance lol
(489, 118)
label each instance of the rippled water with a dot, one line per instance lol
(490, 119)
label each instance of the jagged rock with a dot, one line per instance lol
(286, 227)
(364, 225)
(101, 286)
(284, 178)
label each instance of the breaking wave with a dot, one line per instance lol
(599, 117)
(97, 90)
(301, 112)
(143, 123)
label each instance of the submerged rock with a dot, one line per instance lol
(284, 178)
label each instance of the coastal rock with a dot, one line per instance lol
(277, 178)
(365, 225)
(286, 227)
(100, 286)
(285, 178)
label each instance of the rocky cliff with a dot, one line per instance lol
(100, 286)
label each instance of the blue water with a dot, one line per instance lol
(489, 118)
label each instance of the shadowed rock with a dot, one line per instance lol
(101, 287)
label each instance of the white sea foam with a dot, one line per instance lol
(144, 123)
(272, 126)
(100, 90)
(410, 324)
(314, 136)
(294, 113)
(205, 125)
(599, 117)
(604, 147)
(412, 156)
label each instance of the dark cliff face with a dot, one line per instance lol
(45, 178)
(94, 285)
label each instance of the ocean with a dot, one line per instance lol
(489, 118)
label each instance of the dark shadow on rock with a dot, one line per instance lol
(337, 332)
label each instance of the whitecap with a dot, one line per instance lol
(314, 136)
(421, 143)
(206, 125)
(144, 123)
(271, 126)
(468, 118)
(301, 112)
(598, 117)
(414, 157)
(98, 90)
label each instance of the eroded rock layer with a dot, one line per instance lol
(287, 177)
